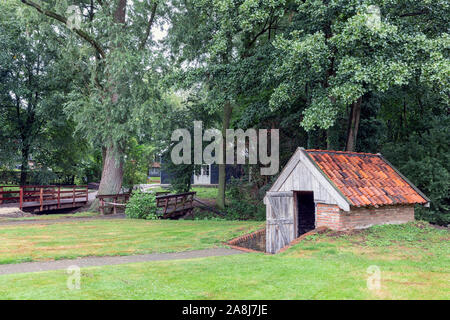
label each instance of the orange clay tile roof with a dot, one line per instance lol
(365, 179)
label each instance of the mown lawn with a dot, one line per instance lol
(202, 192)
(205, 192)
(154, 180)
(21, 243)
(413, 260)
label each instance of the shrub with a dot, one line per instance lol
(244, 210)
(241, 206)
(425, 160)
(142, 205)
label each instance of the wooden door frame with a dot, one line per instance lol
(296, 193)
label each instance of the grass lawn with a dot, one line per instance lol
(205, 193)
(21, 243)
(154, 180)
(202, 192)
(413, 260)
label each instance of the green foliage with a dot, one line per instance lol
(425, 160)
(90, 167)
(240, 205)
(242, 210)
(32, 90)
(142, 205)
(200, 214)
(336, 52)
(137, 163)
(180, 175)
(291, 65)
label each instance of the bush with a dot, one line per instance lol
(241, 206)
(425, 160)
(141, 205)
(243, 210)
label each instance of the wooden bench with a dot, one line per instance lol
(112, 200)
(172, 206)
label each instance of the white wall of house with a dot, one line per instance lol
(204, 176)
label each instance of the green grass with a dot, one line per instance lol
(205, 192)
(202, 192)
(154, 180)
(413, 260)
(20, 243)
(11, 188)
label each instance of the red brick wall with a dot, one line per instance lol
(255, 241)
(328, 215)
(332, 217)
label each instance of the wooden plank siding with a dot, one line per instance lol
(300, 174)
(280, 226)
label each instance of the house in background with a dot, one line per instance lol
(154, 170)
(338, 190)
(208, 175)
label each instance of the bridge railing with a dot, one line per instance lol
(43, 195)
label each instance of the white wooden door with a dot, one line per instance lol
(280, 230)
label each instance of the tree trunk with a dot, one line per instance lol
(24, 166)
(222, 167)
(112, 173)
(353, 125)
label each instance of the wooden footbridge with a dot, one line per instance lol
(43, 198)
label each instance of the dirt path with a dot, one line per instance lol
(115, 260)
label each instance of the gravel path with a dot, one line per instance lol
(115, 260)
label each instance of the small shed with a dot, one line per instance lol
(339, 190)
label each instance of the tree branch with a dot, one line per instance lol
(63, 20)
(149, 26)
(413, 14)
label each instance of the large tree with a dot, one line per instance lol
(111, 43)
(335, 53)
(31, 90)
(212, 41)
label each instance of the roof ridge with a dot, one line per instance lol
(343, 152)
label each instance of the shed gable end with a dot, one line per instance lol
(300, 174)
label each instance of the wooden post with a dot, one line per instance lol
(165, 205)
(102, 211)
(41, 198)
(87, 194)
(20, 197)
(73, 196)
(1, 195)
(59, 197)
